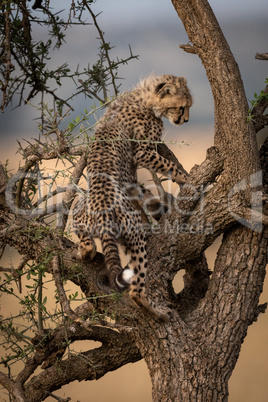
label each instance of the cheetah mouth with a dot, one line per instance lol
(180, 121)
(177, 122)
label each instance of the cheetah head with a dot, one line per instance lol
(172, 99)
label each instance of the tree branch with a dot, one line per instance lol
(261, 56)
(105, 47)
(117, 350)
(71, 190)
(13, 387)
(7, 60)
(259, 119)
(188, 48)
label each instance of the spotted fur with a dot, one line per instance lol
(125, 140)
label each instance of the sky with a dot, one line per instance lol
(154, 31)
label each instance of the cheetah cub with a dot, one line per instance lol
(125, 139)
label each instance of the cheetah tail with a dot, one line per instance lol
(119, 278)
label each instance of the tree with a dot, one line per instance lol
(192, 355)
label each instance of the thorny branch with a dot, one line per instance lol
(105, 47)
(24, 61)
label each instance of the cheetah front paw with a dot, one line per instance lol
(180, 177)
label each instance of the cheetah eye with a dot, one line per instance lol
(172, 109)
(160, 86)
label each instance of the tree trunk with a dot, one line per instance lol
(191, 357)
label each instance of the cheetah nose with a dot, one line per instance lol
(186, 120)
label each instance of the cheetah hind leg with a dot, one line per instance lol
(134, 275)
(87, 248)
(163, 313)
(139, 296)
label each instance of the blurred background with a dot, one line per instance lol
(154, 31)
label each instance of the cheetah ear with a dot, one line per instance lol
(165, 89)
